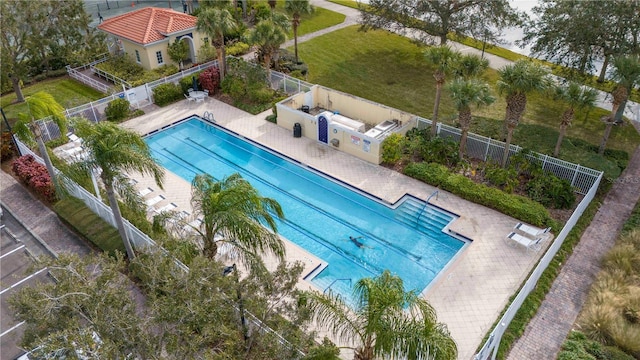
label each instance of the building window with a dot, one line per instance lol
(159, 57)
(137, 56)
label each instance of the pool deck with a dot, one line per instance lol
(468, 296)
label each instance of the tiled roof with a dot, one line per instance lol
(148, 25)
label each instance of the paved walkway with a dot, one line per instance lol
(39, 219)
(632, 110)
(546, 332)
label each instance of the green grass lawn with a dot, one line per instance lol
(320, 19)
(389, 69)
(68, 92)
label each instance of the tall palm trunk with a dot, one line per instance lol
(210, 248)
(465, 121)
(516, 103)
(603, 71)
(619, 102)
(222, 58)
(15, 81)
(567, 117)
(296, 22)
(117, 216)
(35, 129)
(439, 76)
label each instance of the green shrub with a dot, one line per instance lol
(392, 148)
(233, 86)
(117, 110)
(238, 48)
(505, 179)
(441, 151)
(516, 206)
(166, 94)
(260, 95)
(123, 67)
(578, 347)
(75, 213)
(551, 191)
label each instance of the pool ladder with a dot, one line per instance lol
(335, 281)
(426, 203)
(208, 116)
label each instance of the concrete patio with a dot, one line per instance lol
(468, 296)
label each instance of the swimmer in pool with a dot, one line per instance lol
(358, 243)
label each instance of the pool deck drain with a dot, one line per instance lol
(468, 296)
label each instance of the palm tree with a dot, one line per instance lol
(444, 59)
(296, 8)
(233, 213)
(386, 321)
(268, 36)
(576, 97)
(471, 66)
(217, 23)
(516, 81)
(41, 105)
(467, 93)
(627, 74)
(115, 151)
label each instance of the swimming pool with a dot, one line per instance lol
(321, 214)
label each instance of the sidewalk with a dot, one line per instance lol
(39, 219)
(546, 332)
(632, 110)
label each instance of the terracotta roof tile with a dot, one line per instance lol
(148, 25)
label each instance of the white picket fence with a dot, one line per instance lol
(490, 150)
(139, 239)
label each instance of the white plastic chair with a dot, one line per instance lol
(531, 231)
(529, 244)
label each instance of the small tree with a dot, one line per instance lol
(297, 8)
(445, 61)
(576, 97)
(178, 52)
(465, 94)
(516, 81)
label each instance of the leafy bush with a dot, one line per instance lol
(35, 176)
(287, 63)
(505, 179)
(233, 86)
(260, 95)
(551, 191)
(75, 213)
(7, 148)
(516, 206)
(210, 79)
(166, 94)
(442, 151)
(117, 110)
(392, 148)
(238, 48)
(123, 67)
(578, 347)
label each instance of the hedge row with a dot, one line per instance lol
(91, 226)
(516, 206)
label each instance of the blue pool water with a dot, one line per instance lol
(320, 213)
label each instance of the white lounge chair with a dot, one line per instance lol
(154, 201)
(74, 138)
(530, 244)
(188, 97)
(144, 192)
(531, 231)
(166, 208)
